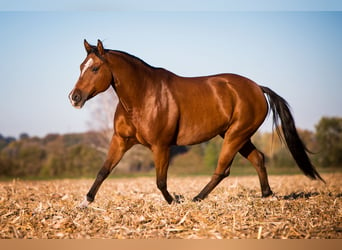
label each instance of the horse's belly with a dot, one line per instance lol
(194, 132)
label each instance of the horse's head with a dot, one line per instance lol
(95, 76)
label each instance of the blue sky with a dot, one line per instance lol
(174, 5)
(297, 54)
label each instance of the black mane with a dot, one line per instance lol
(134, 58)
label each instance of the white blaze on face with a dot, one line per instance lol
(87, 65)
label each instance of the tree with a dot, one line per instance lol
(102, 114)
(24, 136)
(4, 141)
(23, 158)
(329, 139)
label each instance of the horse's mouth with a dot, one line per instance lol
(78, 105)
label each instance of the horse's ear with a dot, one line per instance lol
(87, 46)
(100, 48)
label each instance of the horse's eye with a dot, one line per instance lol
(94, 69)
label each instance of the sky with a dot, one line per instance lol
(296, 52)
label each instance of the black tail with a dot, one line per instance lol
(280, 109)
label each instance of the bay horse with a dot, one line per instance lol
(158, 109)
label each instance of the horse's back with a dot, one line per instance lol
(209, 105)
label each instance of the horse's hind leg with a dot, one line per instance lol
(231, 144)
(257, 159)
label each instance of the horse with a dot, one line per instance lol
(159, 109)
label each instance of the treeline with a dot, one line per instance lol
(81, 155)
(52, 156)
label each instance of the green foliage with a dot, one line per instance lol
(71, 155)
(4, 141)
(211, 152)
(283, 158)
(22, 159)
(190, 162)
(77, 155)
(329, 139)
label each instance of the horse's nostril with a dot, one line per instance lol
(76, 97)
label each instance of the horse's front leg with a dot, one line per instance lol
(161, 160)
(118, 147)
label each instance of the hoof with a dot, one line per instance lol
(267, 194)
(197, 199)
(178, 198)
(84, 204)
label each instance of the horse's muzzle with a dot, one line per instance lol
(76, 98)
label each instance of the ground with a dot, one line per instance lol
(134, 208)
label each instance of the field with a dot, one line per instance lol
(134, 208)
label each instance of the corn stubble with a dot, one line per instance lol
(133, 208)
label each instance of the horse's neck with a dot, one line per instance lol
(131, 81)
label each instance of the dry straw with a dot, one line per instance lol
(134, 208)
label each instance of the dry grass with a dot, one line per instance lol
(134, 208)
